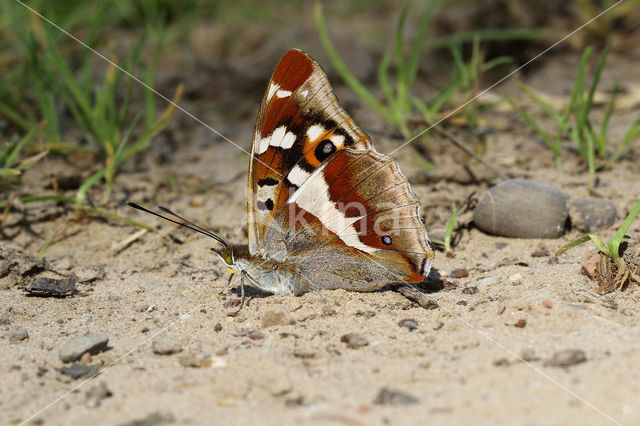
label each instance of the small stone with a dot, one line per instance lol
(354, 341)
(394, 397)
(76, 371)
(462, 303)
(522, 208)
(85, 358)
(194, 361)
(589, 214)
(217, 328)
(528, 355)
(51, 287)
(232, 303)
(501, 309)
(276, 316)
(408, 323)
(165, 345)
(566, 358)
(295, 402)
(547, 303)
(96, 394)
(450, 285)
(145, 330)
(73, 349)
(255, 335)
(19, 335)
(543, 252)
(5, 321)
(502, 362)
(459, 273)
(41, 371)
(303, 353)
(521, 323)
(470, 290)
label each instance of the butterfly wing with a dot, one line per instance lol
(354, 224)
(299, 125)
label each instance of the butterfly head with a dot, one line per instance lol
(227, 257)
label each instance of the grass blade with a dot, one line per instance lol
(450, 227)
(344, 72)
(614, 242)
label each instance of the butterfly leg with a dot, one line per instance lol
(228, 284)
(234, 313)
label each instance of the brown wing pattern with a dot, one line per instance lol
(300, 124)
(357, 205)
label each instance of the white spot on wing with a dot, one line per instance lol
(314, 132)
(304, 93)
(262, 145)
(288, 140)
(278, 134)
(283, 93)
(338, 140)
(273, 88)
(313, 196)
(298, 175)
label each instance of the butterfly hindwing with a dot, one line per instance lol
(353, 224)
(300, 124)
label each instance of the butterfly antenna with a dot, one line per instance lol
(183, 222)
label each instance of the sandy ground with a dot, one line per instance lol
(481, 355)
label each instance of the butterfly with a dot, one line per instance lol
(325, 209)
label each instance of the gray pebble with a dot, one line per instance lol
(588, 214)
(165, 345)
(566, 358)
(522, 208)
(77, 370)
(408, 323)
(19, 335)
(394, 397)
(74, 348)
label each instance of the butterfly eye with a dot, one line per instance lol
(386, 240)
(324, 150)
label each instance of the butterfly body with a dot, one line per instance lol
(277, 277)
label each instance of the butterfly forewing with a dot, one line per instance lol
(299, 126)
